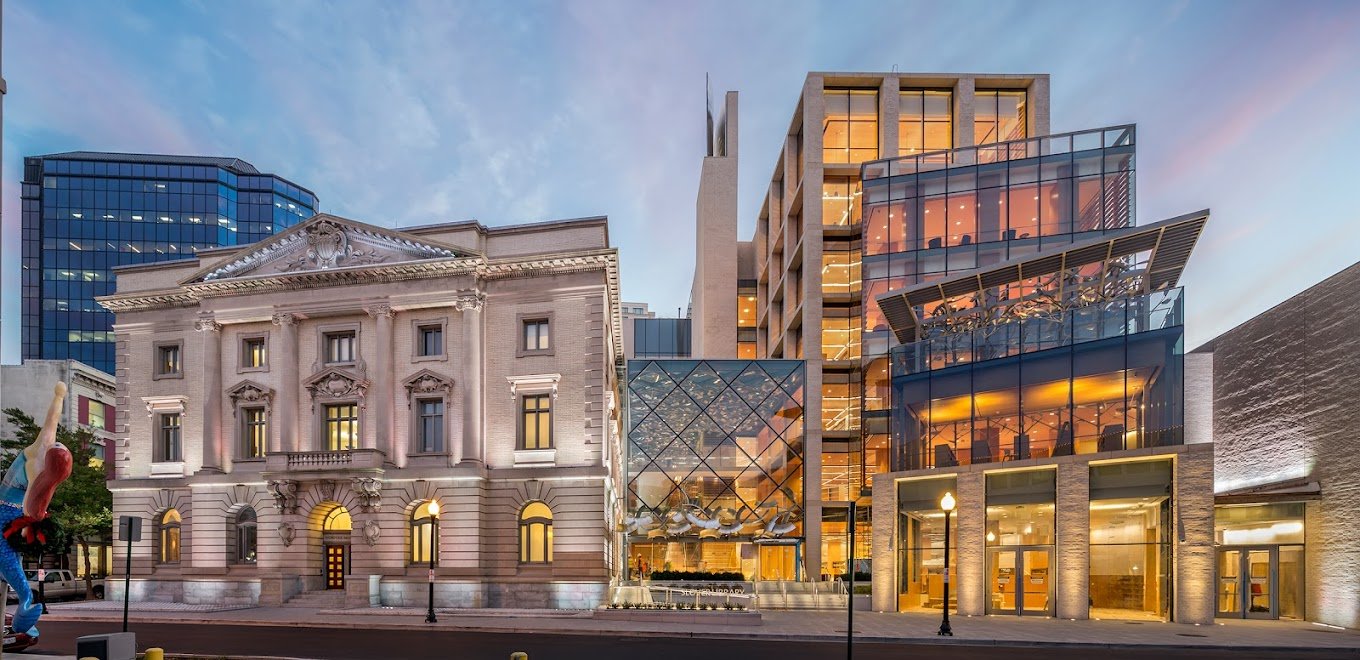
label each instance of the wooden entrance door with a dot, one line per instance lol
(335, 567)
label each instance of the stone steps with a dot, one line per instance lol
(331, 598)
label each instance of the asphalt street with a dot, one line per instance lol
(355, 643)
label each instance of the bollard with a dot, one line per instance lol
(154, 653)
(519, 655)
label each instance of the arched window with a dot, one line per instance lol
(535, 534)
(245, 538)
(337, 520)
(424, 535)
(169, 536)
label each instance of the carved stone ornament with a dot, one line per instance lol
(285, 495)
(207, 324)
(287, 533)
(326, 489)
(369, 492)
(328, 246)
(249, 393)
(284, 319)
(472, 300)
(378, 311)
(427, 383)
(371, 532)
(336, 384)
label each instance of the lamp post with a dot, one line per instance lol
(946, 505)
(434, 546)
(850, 553)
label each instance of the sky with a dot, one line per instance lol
(404, 113)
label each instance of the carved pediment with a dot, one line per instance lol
(336, 383)
(249, 392)
(425, 383)
(323, 243)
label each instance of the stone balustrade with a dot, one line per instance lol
(320, 461)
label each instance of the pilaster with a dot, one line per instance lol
(287, 358)
(385, 436)
(470, 305)
(971, 550)
(1074, 540)
(212, 393)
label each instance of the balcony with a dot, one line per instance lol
(343, 460)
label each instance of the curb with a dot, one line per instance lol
(733, 635)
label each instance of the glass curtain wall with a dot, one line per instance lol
(1130, 541)
(1119, 393)
(999, 115)
(715, 465)
(920, 550)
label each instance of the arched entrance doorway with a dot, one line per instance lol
(336, 526)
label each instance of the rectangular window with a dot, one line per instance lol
(999, 116)
(96, 414)
(168, 360)
(255, 432)
(252, 353)
(341, 426)
(431, 340)
(925, 122)
(339, 347)
(536, 424)
(840, 201)
(850, 126)
(536, 336)
(168, 438)
(430, 427)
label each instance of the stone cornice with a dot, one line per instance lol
(189, 295)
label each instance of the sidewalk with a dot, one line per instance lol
(789, 626)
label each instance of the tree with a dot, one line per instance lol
(82, 505)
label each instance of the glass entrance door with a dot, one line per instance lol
(1248, 579)
(1020, 581)
(1260, 574)
(1229, 588)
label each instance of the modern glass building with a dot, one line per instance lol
(715, 467)
(933, 215)
(86, 212)
(1047, 392)
(654, 338)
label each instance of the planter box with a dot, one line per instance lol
(718, 618)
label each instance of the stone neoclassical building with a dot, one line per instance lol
(297, 406)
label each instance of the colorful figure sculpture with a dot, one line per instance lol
(25, 492)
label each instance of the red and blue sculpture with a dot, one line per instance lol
(25, 493)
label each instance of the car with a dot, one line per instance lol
(59, 584)
(15, 642)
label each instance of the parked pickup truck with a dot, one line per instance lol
(59, 584)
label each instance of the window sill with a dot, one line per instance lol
(175, 376)
(547, 352)
(438, 459)
(430, 358)
(253, 370)
(533, 457)
(167, 469)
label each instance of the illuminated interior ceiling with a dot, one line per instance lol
(1082, 390)
(1169, 241)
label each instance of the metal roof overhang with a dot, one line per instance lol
(1170, 242)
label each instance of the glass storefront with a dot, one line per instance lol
(1020, 534)
(1260, 563)
(715, 466)
(920, 552)
(1130, 548)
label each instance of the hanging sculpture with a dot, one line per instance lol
(25, 494)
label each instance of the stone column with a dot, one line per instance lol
(212, 393)
(384, 430)
(470, 305)
(1192, 504)
(287, 359)
(1073, 539)
(970, 544)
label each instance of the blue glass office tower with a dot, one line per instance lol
(86, 212)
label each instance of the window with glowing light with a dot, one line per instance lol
(920, 551)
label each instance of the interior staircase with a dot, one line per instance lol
(324, 599)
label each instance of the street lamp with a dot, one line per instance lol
(850, 553)
(434, 545)
(946, 505)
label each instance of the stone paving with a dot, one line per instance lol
(869, 626)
